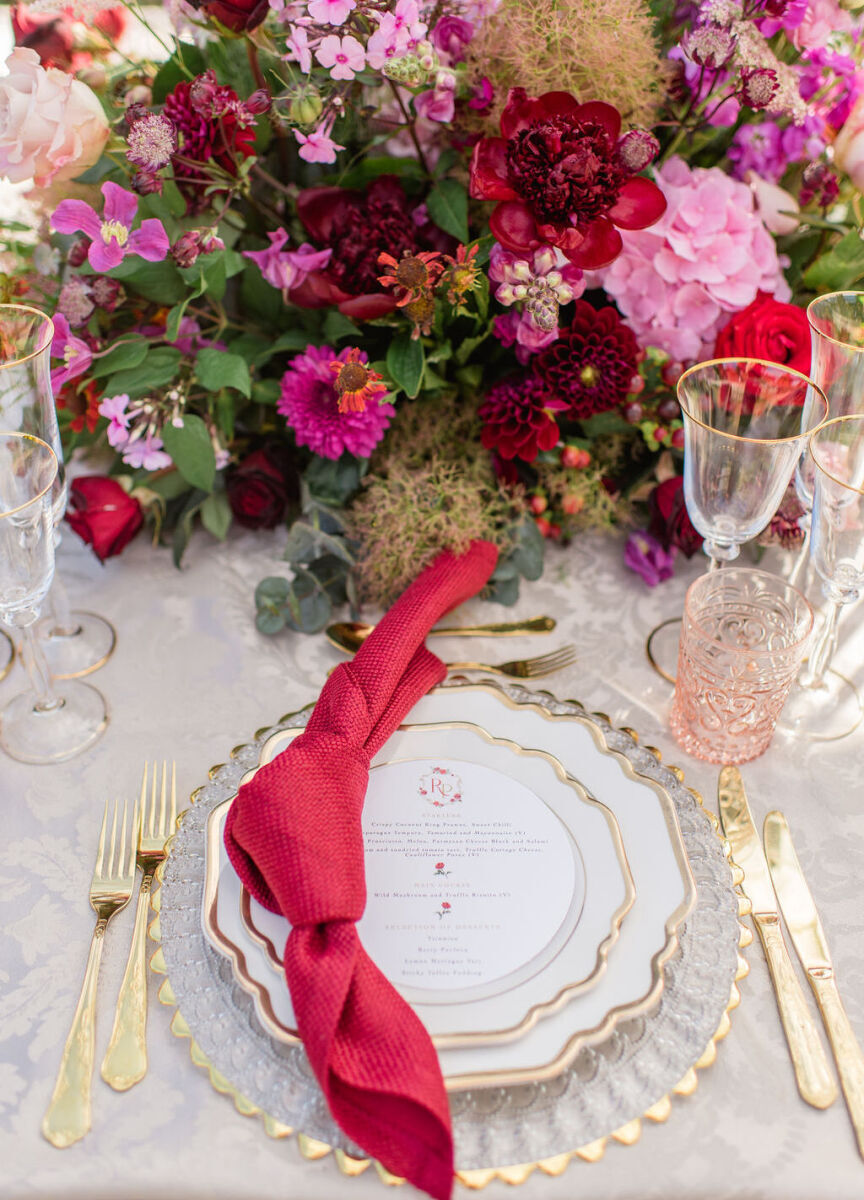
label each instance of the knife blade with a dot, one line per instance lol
(812, 1073)
(808, 937)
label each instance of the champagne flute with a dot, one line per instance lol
(745, 424)
(837, 366)
(76, 642)
(44, 724)
(825, 705)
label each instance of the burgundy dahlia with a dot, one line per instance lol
(236, 15)
(561, 179)
(210, 122)
(592, 363)
(358, 227)
(518, 418)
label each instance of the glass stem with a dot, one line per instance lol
(62, 622)
(37, 668)
(819, 659)
(800, 558)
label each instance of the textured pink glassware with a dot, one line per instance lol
(743, 637)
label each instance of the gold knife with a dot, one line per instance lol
(808, 936)
(812, 1073)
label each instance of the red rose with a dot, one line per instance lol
(236, 15)
(770, 330)
(670, 521)
(103, 514)
(444, 904)
(260, 488)
(439, 866)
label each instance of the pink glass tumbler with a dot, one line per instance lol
(743, 638)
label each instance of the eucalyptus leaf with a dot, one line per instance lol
(527, 555)
(334, 481)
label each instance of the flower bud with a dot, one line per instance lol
(77, 253)
(637, 149)
(186, 249)
(306, 106)
(139, 94)
(259, 102)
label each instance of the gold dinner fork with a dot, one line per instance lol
(68, 1116)
(125, 1061)
(523, 668)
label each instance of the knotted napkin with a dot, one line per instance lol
(294, 837)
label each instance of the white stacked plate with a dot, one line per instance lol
(525, 887)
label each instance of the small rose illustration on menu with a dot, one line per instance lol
(444, 910)
(439, 869)
(440, 787)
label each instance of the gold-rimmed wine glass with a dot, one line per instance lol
(825, 705)
(746, 422)
(77, 642)
(47, 723)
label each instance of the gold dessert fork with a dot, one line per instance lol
(68, 1116)
(523, 668)
(125, 1061)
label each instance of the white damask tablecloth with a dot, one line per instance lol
(190, 679)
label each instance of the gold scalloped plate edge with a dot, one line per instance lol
(479, 1178)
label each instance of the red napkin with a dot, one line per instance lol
(294, 837)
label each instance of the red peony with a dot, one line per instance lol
(103, 514)
(591, 365)
(211, 122)
(236, 15)
(53, 35)
(564, 176)
(770, 330)
(358, 227)
(261, 487)
(670, 521)
(518, 418)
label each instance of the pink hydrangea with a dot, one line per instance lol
(709, 255)
(310, 404)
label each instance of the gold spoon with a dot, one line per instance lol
(350, 635)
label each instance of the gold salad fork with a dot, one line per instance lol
(125, 1061)
(68, 1116)
(523, 668)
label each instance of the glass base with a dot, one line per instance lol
(82, 650)
(7, 654)
(662, 648)
(823, 714)
(50, 736)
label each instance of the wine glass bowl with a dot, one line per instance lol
(745, 424)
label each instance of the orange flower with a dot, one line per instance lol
(356, 383)
(413, 276)
(461, 274)
(84, 403)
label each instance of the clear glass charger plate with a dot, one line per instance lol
(499, 1131)
(535, 892)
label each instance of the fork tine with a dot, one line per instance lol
(133, 841)
(163, 799)
(142, 806)
(548, 663)
(100, 851)
(173, 797)
(121, 857)
(110, 870)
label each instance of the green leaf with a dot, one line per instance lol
(334, 481)
(266, 391)
(104, 169)
(168, 486)
(371, 168)
(190, 446)
(308, 603)
(839, 268)
(337, 327)
(271, 598)
(219, 368)
(171, 72)
(270, 620)
(130, 352)
(331, 572)
(527, 555)
(405, 363)
(216, 515)
(157, 368)
(502, 589)
(224, 412)
(467, 347)
(183, 528)
(160, 282)
(448, 207)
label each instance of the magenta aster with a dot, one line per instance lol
(591, 364)
(310, 404)
(518, 418)
(564, 177)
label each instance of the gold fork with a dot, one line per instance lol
(125, 1061)
(68, 1116)
(523, 668)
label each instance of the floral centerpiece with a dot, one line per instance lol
(397, 274)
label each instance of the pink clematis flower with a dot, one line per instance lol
(330, 12)
(343, 56)
(75, 353)
(318, 146)
(112, 236)
(287, 268)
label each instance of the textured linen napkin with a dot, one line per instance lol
(294, 837)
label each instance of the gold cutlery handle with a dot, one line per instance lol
(812, 1073)
(68, 1117)
(847, 1052)
(125, 1061)
(499, 628)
